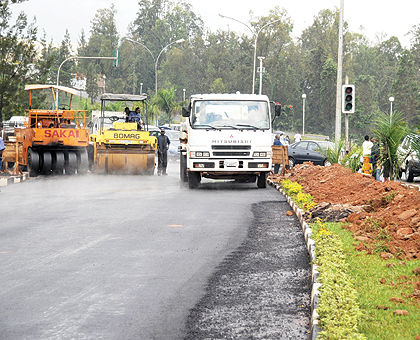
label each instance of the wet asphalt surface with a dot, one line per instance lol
(93, 257)
(262, 290)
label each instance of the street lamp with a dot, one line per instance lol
(303, 114)
(179, 41)
(141, 88)
(255, 33)
(391, 100)
(183, 90)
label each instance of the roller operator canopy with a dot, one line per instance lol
(55, 87)
(124, 97)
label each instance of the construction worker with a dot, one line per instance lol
(163, 146)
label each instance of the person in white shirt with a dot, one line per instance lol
(297, 137)
(283, 139)
(367, 146)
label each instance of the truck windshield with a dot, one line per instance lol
(230, 114)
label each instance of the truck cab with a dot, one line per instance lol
(226, 136)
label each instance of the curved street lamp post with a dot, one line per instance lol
(179, 41)
(255, 33)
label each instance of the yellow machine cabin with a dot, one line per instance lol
(122, 146)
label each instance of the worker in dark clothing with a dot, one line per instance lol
(127, 114)
(374, 154)
(277, 142)
(163, 146)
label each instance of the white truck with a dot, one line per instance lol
(226, 136)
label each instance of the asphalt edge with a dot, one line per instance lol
(6, 180)
(310, 246)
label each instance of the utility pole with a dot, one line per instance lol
(261, 70)
(339, 77)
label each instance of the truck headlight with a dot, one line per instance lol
(194, 154)
(259, 154)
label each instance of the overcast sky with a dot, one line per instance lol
(395, 18)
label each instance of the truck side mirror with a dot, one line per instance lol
(186, 111)
(277, 109)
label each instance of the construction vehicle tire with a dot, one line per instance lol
(33, 163)
(58, 163)
(71, 163)
(83, 163)
(46, 163)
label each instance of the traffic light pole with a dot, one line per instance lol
(339, 77)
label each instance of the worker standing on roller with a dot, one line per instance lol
(163, 146)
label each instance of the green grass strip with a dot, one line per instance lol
(382, 288)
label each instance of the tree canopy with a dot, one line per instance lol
(222, 61)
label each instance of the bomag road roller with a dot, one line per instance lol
(125, 147)
(55, 140)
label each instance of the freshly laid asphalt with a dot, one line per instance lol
(262, 290)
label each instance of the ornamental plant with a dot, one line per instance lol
(294, 190)
(338, 311)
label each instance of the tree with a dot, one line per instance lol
(159, 23)
(103, 41)
(17, 54)
(390, 131)
(406, 88)
(68, 68)
(165, 102)
(319, 43)
(218, 86)
(328, 96)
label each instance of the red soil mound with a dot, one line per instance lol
(389, 222)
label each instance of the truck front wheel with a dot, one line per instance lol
(183, 168)
(262, 180)
(194, 179)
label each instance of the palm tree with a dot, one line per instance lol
(164, 100)
(390, 130)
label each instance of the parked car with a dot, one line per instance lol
(153, 130)
(410, 157)
(308, 151)
(173, 151)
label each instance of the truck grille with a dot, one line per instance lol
(231, 154)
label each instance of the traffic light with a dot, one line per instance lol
(348, 98)
(116, 55)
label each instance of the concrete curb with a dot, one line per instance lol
(310, 245)
(6, 180)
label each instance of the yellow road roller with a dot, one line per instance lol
(120, 142)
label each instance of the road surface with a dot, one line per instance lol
(128, 257)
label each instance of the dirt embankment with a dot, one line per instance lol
(384, 217)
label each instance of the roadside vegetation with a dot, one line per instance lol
(215, 61)
(362, 296)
